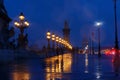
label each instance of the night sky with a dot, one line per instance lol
(45, 15)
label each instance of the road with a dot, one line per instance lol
(63, 67)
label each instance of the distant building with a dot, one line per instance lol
(4, 23)
(66, 32)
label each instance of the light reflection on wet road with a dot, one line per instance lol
(63, 67)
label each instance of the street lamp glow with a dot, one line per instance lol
(53, 36)
(98, 24)
(48, 35)
(21, 24)
(26, 23)
(60, 40)
(16, 24)
(21, 17)
(57, 38)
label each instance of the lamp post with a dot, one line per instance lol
(53, 41)
(62, 43)
(98, 24)
(92, 43)
(117, 56)
(116, 32)
(48, 34)
(21, 24)
(57, 39)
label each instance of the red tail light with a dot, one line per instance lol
(113, 51)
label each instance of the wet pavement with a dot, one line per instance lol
(63, 67)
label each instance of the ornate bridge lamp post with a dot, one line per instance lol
(57, 39)
(53, 41)
(21, 24)
(60, 45)
(48, 34)
(64, 44)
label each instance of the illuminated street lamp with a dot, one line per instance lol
(64, 42)
(53, 40)
(21, 24)
(60, 40)
(57, 40)
(99, 24)
(48, 34)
